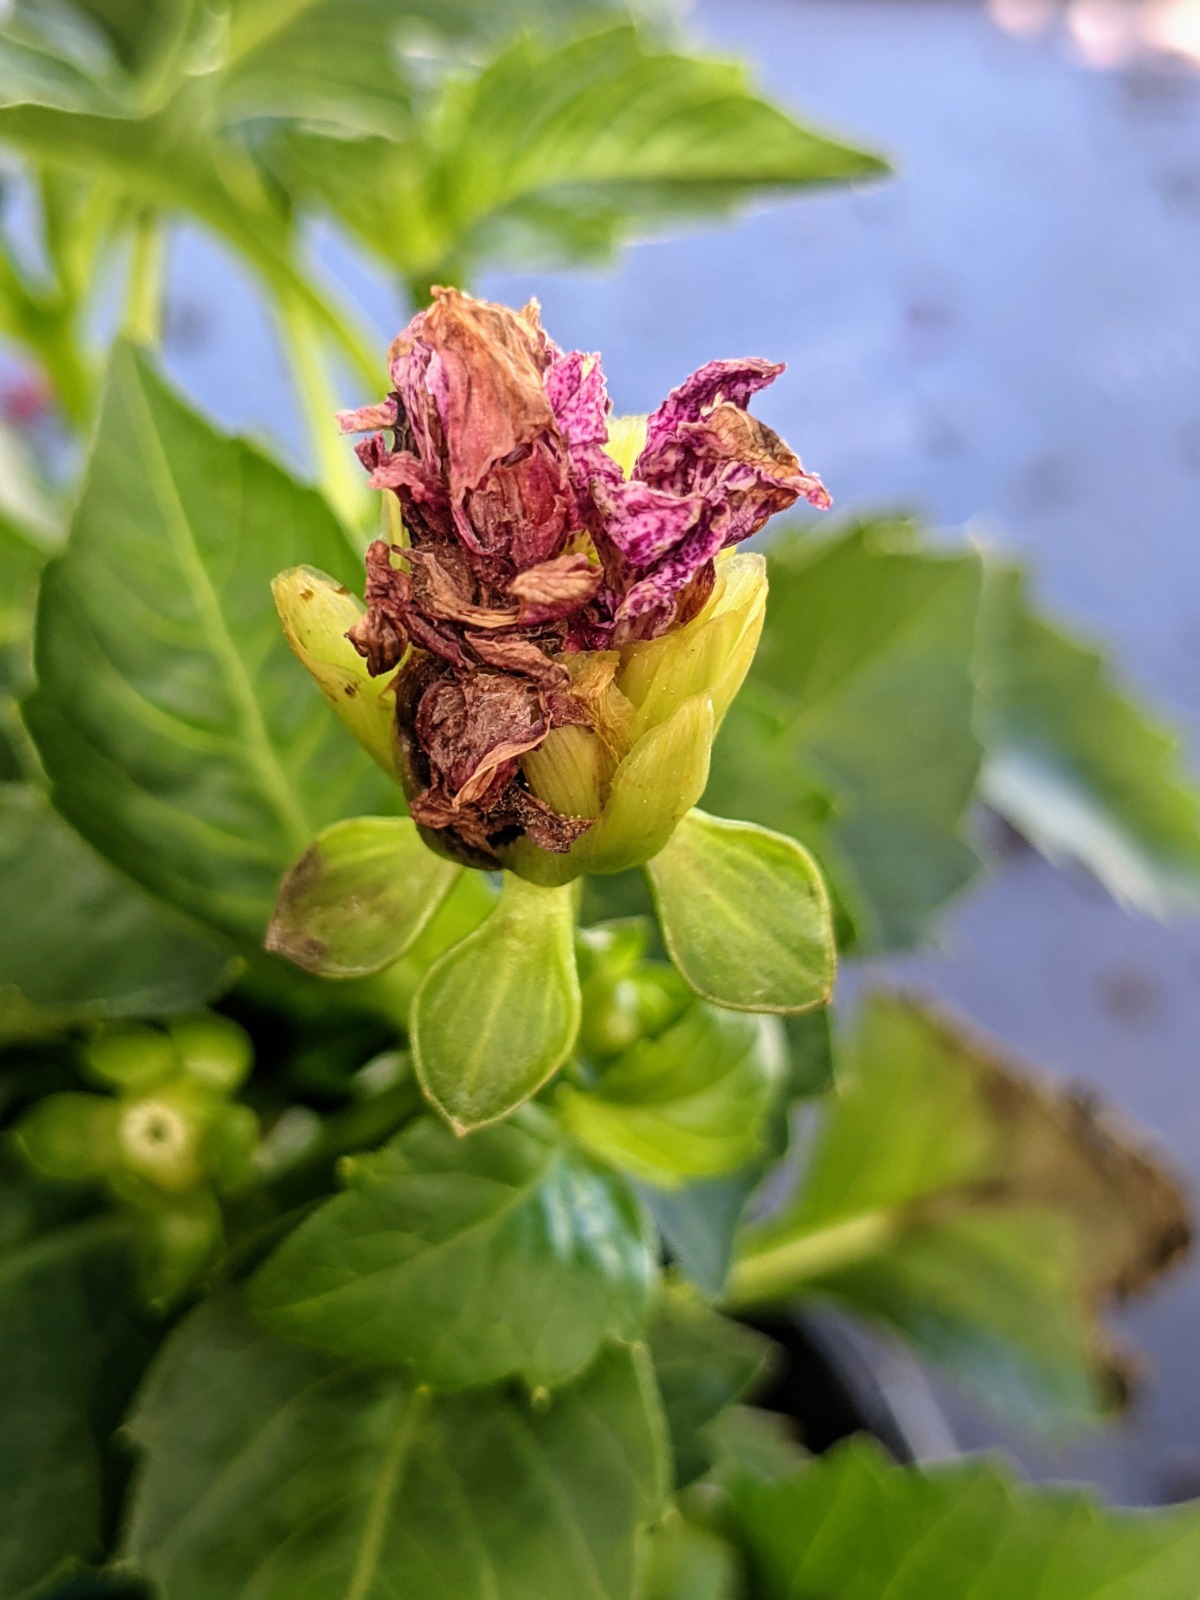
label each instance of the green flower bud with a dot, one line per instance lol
(624, 996)
(70, 1136)
(130, 1056)
(213, 1050)
(161, 1139)
(655, 707)
(178, 1240)
(229, 1148)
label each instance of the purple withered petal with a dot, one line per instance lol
(578, 397)
(643, 522)
(716, 381)
(527, 544)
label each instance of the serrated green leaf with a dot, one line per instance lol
(703, 1362)
(549, 1251)
(82, 941)
(691, 1103)
(1076, 764)
(498, 1014)
(180, 736)
(986, 1215)
(359, 897)
(854, 731)
(557, 150)
(744, 915)
(853, 1525)
(70, 1341)
(269, 1469)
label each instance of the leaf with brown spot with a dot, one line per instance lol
(358, 897)
(986, 1213)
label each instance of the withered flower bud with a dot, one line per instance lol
(564, 637)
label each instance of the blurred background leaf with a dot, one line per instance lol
(855, 730)
(1076, 764)
(853, 1525)
(987, 1216)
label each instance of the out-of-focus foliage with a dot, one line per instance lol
(986, 1215)
(855, 1526)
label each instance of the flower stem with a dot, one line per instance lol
(779, 1271)
(339, 476)
(144, 295)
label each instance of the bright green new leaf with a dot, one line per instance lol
(359, 897)
(549, 1251)
(744, 916)
(558, 150)
(691, 1103)
(268, 1469)
(985, 1215)
(703, 1362)
(1077, 765)
(854, 731)
(852, 1525)
(498, 1014)
(83, 942)
(180, 735)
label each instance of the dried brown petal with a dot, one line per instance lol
(554, 589)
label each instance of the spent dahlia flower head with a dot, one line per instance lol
(564, 623)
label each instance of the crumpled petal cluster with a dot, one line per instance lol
(527, 546)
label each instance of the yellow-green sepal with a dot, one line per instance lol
(317, 612)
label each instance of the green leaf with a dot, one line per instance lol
(69, 1343)
(699, 1222)
(703, 1363)
(269, 1469)
(549, 1251)
(986, 1215)
(744, 916)
(30, 531)
(335, 61)
(497, 1015)
(557, 150)
(691, 1103)
(1077, 765)
(852, 1525)
(358, 897)
(854, 731)
(180, 736)
(688, 1562)
(83, 942)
